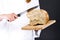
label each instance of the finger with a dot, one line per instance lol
(9, 20)
(15, 16)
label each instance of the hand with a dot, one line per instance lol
(9, 17)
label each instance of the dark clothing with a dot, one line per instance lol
(53, 31)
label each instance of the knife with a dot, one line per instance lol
(27, 11)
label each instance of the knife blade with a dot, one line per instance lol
(27, 10)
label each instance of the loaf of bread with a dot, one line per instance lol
(38, 16)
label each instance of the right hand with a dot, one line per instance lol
(10, 17)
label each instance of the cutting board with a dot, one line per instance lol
(38, 27)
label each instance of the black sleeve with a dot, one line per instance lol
(53, 31)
